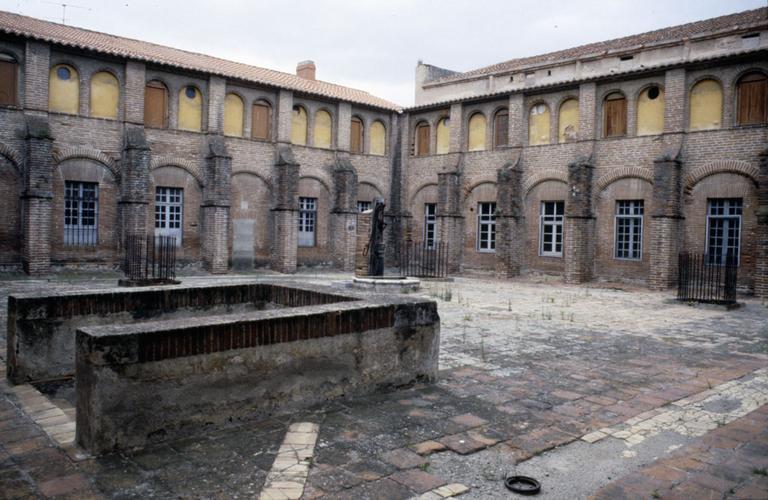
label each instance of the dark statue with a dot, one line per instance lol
(375, 247)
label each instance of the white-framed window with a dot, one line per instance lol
(169, 210)
(363, 206)
(723, 229)
(551, 229)
(307, 221)
(430, 224)
(629, 229)
(81, 213)
(486, 227)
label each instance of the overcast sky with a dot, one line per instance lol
(374, 44)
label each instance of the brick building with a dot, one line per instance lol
(596, 162)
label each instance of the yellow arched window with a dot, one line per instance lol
(443, 136)
(501, 128)
(356, 135)
(155, 104)
(378, 138)
(615, 115)
(538, 125)
(752, 99)
(568, 121)
(706, 105)
(233, 115)
(650, 111)
(476, 133)
(190, 109)
(323, 129)
(299, 126)
(261, 123)
(105, 95)
(64, 89)
(421, 139)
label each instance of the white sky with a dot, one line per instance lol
(374, 44)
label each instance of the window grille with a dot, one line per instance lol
(430, 224)
(81, 213)
(169, 209)
(486, 227)
(551, 232)
(723, 229)
(629, 230)
(307, 221)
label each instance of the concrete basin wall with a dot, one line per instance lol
(41, 327)
(144, 382)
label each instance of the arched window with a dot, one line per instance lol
(9, 74)
(614, 115)
(421, 139)
(356, 135)
(443, 136)
(650, 111)
(64, 89)
(378, 138)
(299, 126)
(706, 105)
(261, 123)
(538, 125)
(190, 109)
(155, 105)
(752, 99)
(501, 128)
(323, 131)
(105, 95)
(233, 115)
(476, 133)
(568, 121)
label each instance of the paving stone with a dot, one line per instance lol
(428, 447)
(468, 420)
(403, 458)
(418, 480)
(462, 444)
(64, 485)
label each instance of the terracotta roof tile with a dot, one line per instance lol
(70, 36)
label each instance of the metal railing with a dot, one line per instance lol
(704, 279)
(149, 257)
(420, 260)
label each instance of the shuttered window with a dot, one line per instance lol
(615, 113)
(262, 120)
(501, 128)
(8, 77)
(356, 136)
(155, 105)
(752, 100)
(422, 139)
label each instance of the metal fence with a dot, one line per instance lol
(149, 258)
(420, 260)
(702, 278)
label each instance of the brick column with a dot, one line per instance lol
(517, 120)
(285, 210)
(284, 116)
(674, 100)
(37, 66)
(134, 183)
(396, 214)
(363, 232)
(510, 229)
(215, 207)
(450, 221)
(456, 130)
(217, 89)
(344, 213)
(761, 264)
(579, 223)
(343, 127)
(587, 110)
(666, 221)
(37, 197)
(135, 81)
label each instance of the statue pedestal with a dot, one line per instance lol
(386, 284)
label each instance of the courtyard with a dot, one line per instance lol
(603, 391)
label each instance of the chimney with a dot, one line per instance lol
(306, 69)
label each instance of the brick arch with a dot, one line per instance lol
(548, 174)
(372, 184)
(420, 189)
(318, 179)
(12, 156)
(478, 182)
(78, 152)
(173, 161)
(720, 167)
(263, 179)
(623, 173)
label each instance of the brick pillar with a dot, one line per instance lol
(37, 197)
(363, 233)
(579, 223)
(343, 127)
(344, 213)
(215, 207)
(134, 183)
(666, 221)
(587, 110)
(217, 89)
(761, 264)
(456, 130)
(517, 120)
(510, 229)
(450, 221)
(396, 214)
(285, 210)
(37, 66)
(135, 82)
(284, 116)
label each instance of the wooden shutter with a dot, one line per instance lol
(356, 136)
(752, 99)
(422, 140)
(261, 121)
(501, 129)
(7, 83)
(615, 116)
(155, 104)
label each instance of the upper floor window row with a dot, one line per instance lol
(9, 80)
